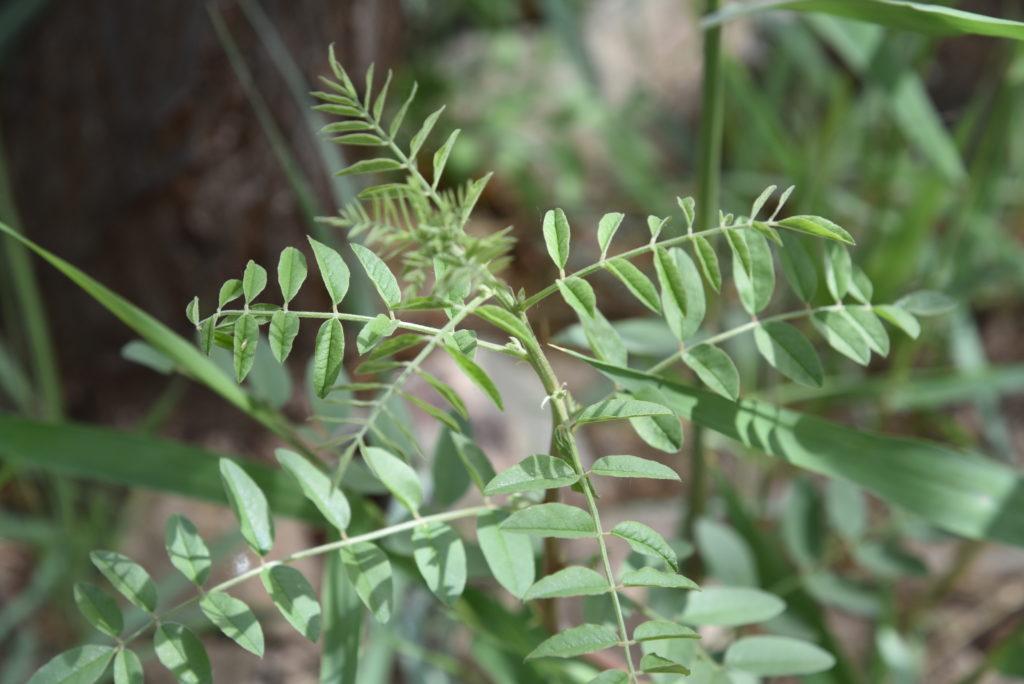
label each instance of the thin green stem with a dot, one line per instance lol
(312, 552)
(560, 403)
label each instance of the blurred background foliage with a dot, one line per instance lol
(160, 145)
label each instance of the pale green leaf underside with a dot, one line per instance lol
(533, 473)
(576, 641)
(551, 520)
(509, 555)
(574, 580)
(777, 656)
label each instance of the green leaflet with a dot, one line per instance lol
(186, 549)
(250, 506)
(574, 580)
(229, 291)
(715, 369)
(343, 625)
(652, 577)
(971, 496)
(99, 608)
(441, 560)
(446, 392)
(370, 573)
(708, 260)
(317, 487)
(421, 135)
(509, 555)
(871, 329)
(636, 282)
(400, 479)
(759, 203)
(556, 236)
(606, 229)
(656, 224)
(82, 665)
(657, 630)
(611, 677)
(551, 520)
(789, 352)
(284, 327)
(603, 339)
(901, 318)
(129, 578)
(254, 281)
(619, 408)
(687, 205)
(739, 248)
(328, 355)
(578, 294)
(927, 303)
(192, 311)
(673, 290)
(441, 156)
(476, 374)
(652, 663)
(861, 287)
(232, 617)
(840, 333)
(777, 656)
(477, 465)
(576, 641)
(798, 267)
(504, 320)
(756, 285)
(818, 227)
(838, 271)
(688, 323)
(246, 337)
(181, 652)
(731, 606)
(846, 508)
(533, 473)
(295, 598)
(380, 275)
(291, 272)
(726, 555)
(380, 327)
(908, 16)
(377, 165)
(632, 466)
(127, 668)
(664, 433)
(333, 271)
(646, 541)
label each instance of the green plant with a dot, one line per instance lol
(455, 273)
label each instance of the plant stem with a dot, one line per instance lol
(560, 419)
(317, 551)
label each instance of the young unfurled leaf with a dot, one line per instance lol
(646, 541)
(369, 570)
(657, 630)
(619, 408)
(688, 207)
(656, 224)
(254, 280)
(400, 479)
(632, 466)
(476, 374)
(867, 323)
(127, 668)
(186, 549)
(652, 663)
(374, 331)
(509, 555)
(756, 284)
(181, 652)
(229, 292)
(777, 656)
(82, 665)
(232, 617)
(533, 473)
(574, 580)
(576, 641)
(99, 608)
(250, 506)
(606, 229)
(755, 209)
(708, 260)
(441, 559)
(380, 275)
(927, 303)
(841, 335)
(782, 201)
(192, 311)
(715, 369)
(901, 318)
(291, 272)
(441, 156)
(246, 337)
(379, 165)
(328, 355)
(682, 292)
(789, 352)
(556, 236)
(817, 226)
(333, 270)
(652, 577)
(317, 487)
(578, 294)
(128, 577)
(838, 271)
(636, 282)
(664, 433)
(284, 327)
(731, 606)
(551, 520)
(474, 459)
(798, 267)
(293, 595)
(421, 135)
